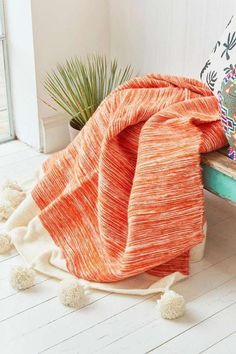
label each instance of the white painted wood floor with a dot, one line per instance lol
(33, 321)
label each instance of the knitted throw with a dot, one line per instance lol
(126, 196)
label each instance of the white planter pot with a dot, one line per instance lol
(73, 131)
(55, 133)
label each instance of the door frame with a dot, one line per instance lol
(3, 41)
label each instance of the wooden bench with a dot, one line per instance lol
(219, 174)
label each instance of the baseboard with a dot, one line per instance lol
(55, 133)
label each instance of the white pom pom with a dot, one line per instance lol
(8, 184)
(5, 243)
(6, 210)
(12, 196)
(171, 305)
(71, 293)
(22, 277)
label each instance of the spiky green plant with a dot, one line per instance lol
(79, 86)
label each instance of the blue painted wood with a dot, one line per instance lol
(219, 183)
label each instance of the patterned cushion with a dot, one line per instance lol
(227, 101)
(222, 59)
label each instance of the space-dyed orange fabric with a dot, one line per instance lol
(127, 196)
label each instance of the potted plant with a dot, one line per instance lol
(79, 86)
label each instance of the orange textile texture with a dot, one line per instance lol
(126, 195)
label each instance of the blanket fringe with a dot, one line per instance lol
(5, 242)
(11, 195)
(72, 293)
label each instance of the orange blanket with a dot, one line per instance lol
(126, 196)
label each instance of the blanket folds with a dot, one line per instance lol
(126, 196)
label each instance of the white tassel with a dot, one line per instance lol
(71, 293)
(9, 184)
(6, 210)
(13, 197)
(5, 242)
(171, 305)
(22, 277)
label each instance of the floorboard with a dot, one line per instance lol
(225, 345)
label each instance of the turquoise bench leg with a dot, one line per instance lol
(219, 183)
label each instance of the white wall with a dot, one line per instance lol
(40, 34)
(63, 29)
(167, 36)
(22, 70)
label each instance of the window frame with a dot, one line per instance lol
(3, 42)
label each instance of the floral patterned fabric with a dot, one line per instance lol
(222, 59)
(227, 101)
